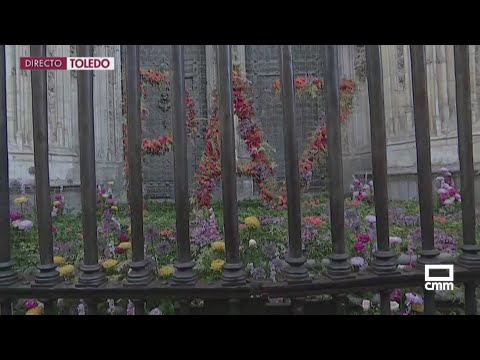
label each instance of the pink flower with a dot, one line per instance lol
(30, 304)
(111, 202)
(123, 238)
(449, 201)
(58, 197)
(396, 295)
(361, 196)
(363, 238)
(442, 198)
(452, 192)
(15, 215)
(359, 247)
(54, 229)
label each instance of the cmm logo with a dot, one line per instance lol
(439, 282)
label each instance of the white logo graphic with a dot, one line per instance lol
(439, 282)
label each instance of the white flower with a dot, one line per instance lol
(440, 179)
(16, 224)
(106, 195)
(252, 243)
(444, 170)
(394, 306)
(366, 305)
(442, 191)
(449, 201)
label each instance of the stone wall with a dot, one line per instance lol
(401, 153)
(261, 65)
(63, 118)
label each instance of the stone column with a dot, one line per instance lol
(63, 120)
(244, 185)
(442, 87)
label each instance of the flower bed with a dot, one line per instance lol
(263, 241)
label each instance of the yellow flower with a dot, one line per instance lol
(111, 183)
(125, 245)
(21, 200)
(109, 264)
(218, 245)
(217, 265)
(114, 208)
(417, 308)
(35, 311)
(166, 271)
(252, 222)
(58, 260)
(66, 271)
(56, 203)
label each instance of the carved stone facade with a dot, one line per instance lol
(261, 64)
(63, 118)
(401, 155)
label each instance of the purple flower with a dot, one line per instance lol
(25, 225)
(371, 219)
(30, 304)
(309, 232)
(272, 220)
(396, 295)
(130, 308)
(155, 311)
(270, 250)
(258, 273)
(394, 240)
(278, 264)
(164, 248)
(412, 298)
(357, 261)
(205, 231)
(443, 241)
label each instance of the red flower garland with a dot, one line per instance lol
(260, 167)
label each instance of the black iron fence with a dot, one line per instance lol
(233, 291)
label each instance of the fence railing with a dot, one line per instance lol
(233, 289)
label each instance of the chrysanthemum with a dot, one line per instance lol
(218, 245)
(252, 222)
(109, 264)
(125, 245)
(166, 271)
(66, 270)
(217, 265)
(59, 260)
